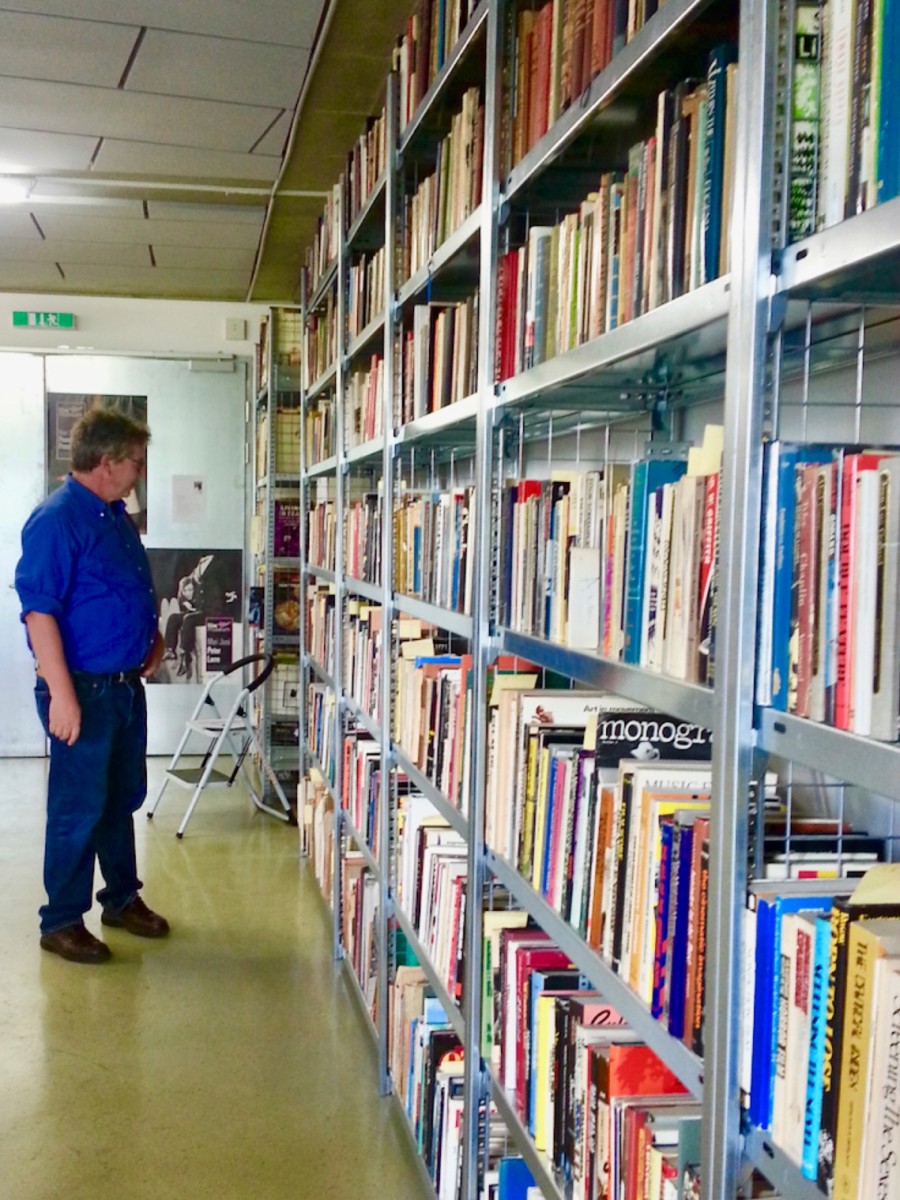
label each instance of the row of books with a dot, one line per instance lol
(361, 785)
(286, 439)
(845, 109)
(364, 403)
(320, 341)
(366, 163)
(432, 873)
(321, 531)
(431, 559)
(322, 250)
(439, 357)
(642, 238)
(551, 55)
(432, 713)
(362, 647)
(550, 540)
(442, 201)
(820, 1068)
(360, 923)
(319, 429)
(317, 828)
(829, 644)
(286, 528)
(362, 542)
(592, 781)
(320, 708)
(285, 345)
(620, 559)
(427, 42)
(321, 616)
(578, 1075)
(365, 300)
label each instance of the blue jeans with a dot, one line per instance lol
(94, 789)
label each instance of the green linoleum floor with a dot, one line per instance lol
(227, 1062)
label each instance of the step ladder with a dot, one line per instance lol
(234, 732)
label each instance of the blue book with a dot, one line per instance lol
(775, 601)
(548, 825)
(417, 559)
(515, 1179)
(888, 167)
(812, 1117)
(678, 949)
(646, 477)
(666, 883)
(714, 156)
(769, 913)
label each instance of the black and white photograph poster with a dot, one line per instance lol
(64, 409)
(199, 602)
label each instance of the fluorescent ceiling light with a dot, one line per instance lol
(15, 189)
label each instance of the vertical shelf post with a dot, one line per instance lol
(737, 584)
(341, 460)
(476, 1084)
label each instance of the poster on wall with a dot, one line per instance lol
(64, 409)
(198, 595)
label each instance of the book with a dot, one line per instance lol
(868, 940)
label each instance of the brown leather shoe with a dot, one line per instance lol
(138, 919)
(76, 944)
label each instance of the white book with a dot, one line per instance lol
(837, 68)
(583, 625)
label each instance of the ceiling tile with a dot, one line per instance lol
(58, 225)
(37, 251)
(26, 153)
(101, 112)
(57, 48)
(16, 222)
(219, 257)
(282, 22)
(169, 282)
(246, 214)
(30, 277)
(218, 69)
(140, 159)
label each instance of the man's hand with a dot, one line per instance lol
(155, 657)
(65, 718)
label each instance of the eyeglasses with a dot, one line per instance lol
(140, 463)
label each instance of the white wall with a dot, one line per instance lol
(111, 325)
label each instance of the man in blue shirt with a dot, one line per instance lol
(89, 607)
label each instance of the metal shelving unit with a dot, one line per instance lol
(278, 400)
(710, 345)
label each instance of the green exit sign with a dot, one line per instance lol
(44, 320)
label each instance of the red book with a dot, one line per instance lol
(528, 959)
(706, 606)
(542, 47)
(696, 929)
(623, 1070)
(806, 590)
(510, 939)
(601, 36)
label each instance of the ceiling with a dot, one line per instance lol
(179, 149)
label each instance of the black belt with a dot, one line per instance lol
(105, 677)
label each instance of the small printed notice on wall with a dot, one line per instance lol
(218, 643)
(188, 500)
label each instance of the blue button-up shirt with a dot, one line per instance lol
(83, 564)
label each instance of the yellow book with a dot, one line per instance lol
(546, 1037)
(867, 942)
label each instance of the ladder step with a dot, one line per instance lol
(190, 777)
(213, 727)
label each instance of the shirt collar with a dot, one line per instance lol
(90, 501)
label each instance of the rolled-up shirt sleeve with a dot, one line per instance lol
(44, 572)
